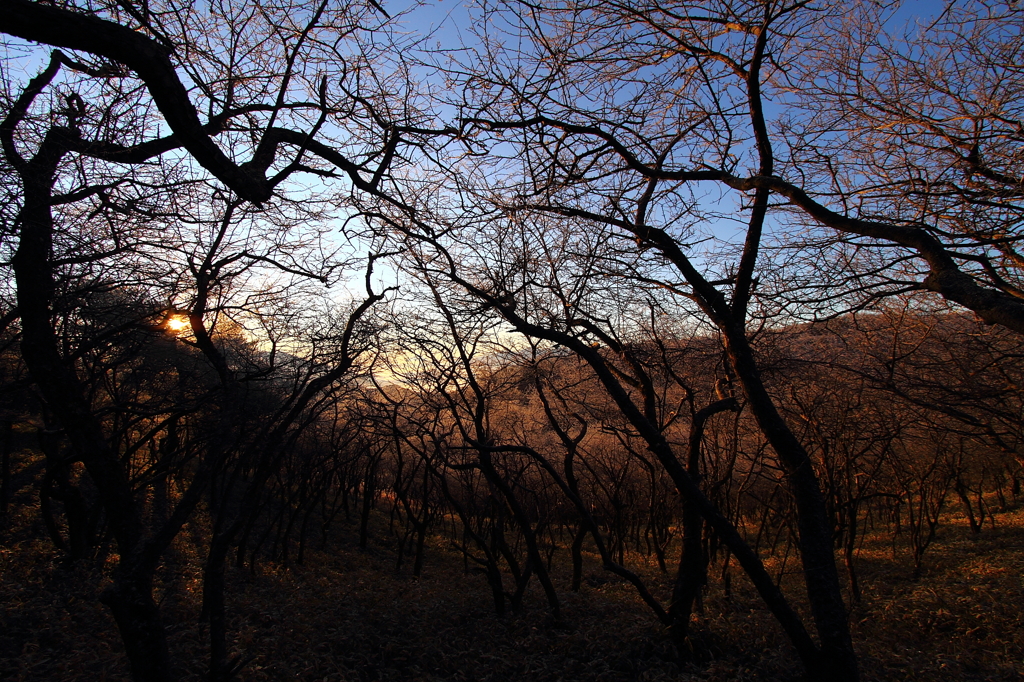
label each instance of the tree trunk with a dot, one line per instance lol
(130, 600)
(692, 573)
(819, 563)
(130, 597)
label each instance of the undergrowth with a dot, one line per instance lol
(349, 615)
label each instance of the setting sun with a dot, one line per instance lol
(177, 323)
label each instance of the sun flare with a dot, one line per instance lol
(177, 323)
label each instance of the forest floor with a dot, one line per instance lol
(348, 614)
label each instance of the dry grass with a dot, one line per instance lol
(962, 620)
(349, 616)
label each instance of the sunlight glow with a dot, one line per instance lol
(177, 323)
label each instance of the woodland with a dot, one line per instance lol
(591, 340)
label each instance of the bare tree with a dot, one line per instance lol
(636, 122)
(104, 156)
(906, 140)
(569, 146)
